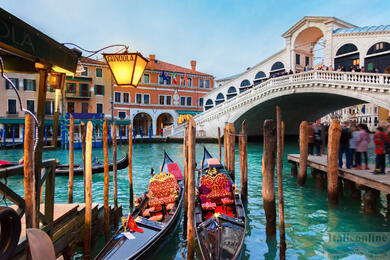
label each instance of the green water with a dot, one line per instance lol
(308, 216)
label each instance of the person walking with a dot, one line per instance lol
(344, 146)
(352, 145)
(380, 141)
(310, 133)
(362, 140)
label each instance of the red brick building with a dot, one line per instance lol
(165, 92)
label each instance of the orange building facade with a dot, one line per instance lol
(165, 93)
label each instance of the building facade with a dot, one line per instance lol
(166, 94)
(310, 43)
(86, 95)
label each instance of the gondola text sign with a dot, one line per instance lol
(127, 68)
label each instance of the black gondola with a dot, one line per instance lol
(97, 167)
(219, 213)
(11, 145)
(155, 232)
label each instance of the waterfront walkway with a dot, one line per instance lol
(363, 177)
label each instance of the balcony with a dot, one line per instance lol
(79, 95)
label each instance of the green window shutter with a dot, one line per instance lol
(95, 89)
(34, 85)
(17, 83)
(7, 86)
(24, 84)
(80, 89)
(103, 89)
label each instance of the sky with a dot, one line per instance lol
(224, 36)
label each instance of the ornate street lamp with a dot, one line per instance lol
(126, 68)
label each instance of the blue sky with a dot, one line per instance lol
(224, 36)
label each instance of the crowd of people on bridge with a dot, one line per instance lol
(354, 144)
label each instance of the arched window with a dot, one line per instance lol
(209, 104)
(259, 78)
(220, 99)
(232, 92)
(260, 75)
(245, 84)
(277, 66)
(346, 48)
(378, 48)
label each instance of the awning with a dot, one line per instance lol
(20, 121)
(186, 112)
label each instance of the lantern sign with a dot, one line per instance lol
(127, 68)
(56, 80)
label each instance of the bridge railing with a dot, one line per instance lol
(382, 80)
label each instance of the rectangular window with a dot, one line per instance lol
(138, 98)
(168, 100)
(201, 85)
(189, 101)
(85, 72)
(122, 115)
(99, 108)
(30, 105)
(189, 82)
(160, 80)
(84, 90)
(49, 108)
(146, 98)
(29, 84)
(84, 107)
(182, 101)
(12, 106)
(207, 83)
(99, 89)
(307, 61)
(162, 100)
(146, 78)
(126, 98)
(71, 87)
(168, 81)
(14, 80)
(99, 72)
(70, 107)
(182, 82)
(117, 98)
(297, 59)
(201, 102)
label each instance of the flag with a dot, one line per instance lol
(132, 225)
(174, 78)
(185, 80)
(357, 109)
(164, 77)
(363, 109)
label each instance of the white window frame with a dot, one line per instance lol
(159, 98)
(124, 111)
(120, 97)
(123, 99)
(142, 98)
(33, 103)
(143, 78)
(187, 101)
(166, 99)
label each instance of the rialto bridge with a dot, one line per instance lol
(301, 96)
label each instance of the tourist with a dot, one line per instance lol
(317, 138)
(361, 144)
(310, 133)
(362, 69)
(344, 146)
(352, 145)
(380, 140)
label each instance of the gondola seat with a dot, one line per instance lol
(163, 187)
(219, 186)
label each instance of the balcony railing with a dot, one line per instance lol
(79, 95)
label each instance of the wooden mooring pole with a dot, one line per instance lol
(29, 179)
(231, 150)
(106, 183)
(88, 192)
(82, 130)
(225, 147)
(131, 169)
(303, 151)
(333, 167)
(71, 159)
(219, 144)
(279, 173)
(186, 173)
(191, 189)
(268, 169)
(115, 172)
(243, 153)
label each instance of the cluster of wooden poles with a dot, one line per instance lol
(273, 143)
(87, 138)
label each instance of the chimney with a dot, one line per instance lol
(152, 57)
(193, 65)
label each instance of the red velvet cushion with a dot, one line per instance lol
(175, 170)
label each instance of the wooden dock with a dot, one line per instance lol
(380, 182)
(67, 227)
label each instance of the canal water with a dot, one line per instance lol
(310, 221)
